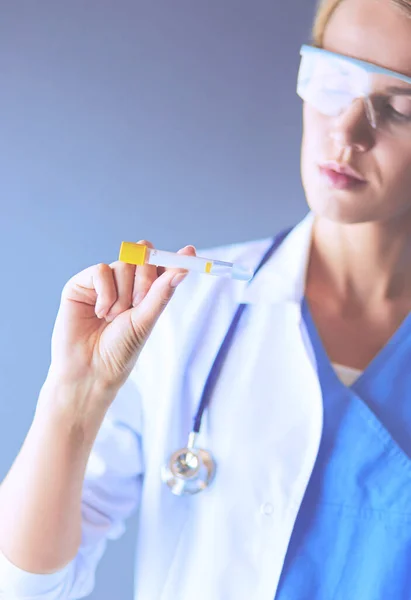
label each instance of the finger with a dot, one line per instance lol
(123, 275)
(187, 250)
(145, 315)
(91, 285)
(144, 277)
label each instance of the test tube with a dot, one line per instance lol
(140, 254)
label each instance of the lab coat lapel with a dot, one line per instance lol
(282, 279)
(263, 427)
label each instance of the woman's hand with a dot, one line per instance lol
(105, 317)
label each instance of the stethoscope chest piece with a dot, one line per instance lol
(189, 471)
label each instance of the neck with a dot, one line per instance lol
(367, 264)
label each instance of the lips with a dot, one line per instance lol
(341, 176)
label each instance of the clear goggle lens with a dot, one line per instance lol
(330, 83)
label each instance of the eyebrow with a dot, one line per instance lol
(399, 90)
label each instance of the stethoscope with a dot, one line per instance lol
(190, 470)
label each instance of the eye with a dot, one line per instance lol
(398, 108)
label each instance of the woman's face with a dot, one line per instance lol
(377, 32)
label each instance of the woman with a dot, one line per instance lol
(309, 420)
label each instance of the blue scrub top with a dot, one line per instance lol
(352, 536)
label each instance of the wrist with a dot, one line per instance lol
(79, 405)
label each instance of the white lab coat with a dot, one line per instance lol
(263, 428)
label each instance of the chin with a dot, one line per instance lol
(340, 206)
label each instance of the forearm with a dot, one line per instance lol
(40, 498)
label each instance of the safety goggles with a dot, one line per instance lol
(330, 83)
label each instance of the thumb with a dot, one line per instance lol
(147, 312)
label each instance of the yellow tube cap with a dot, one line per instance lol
(134, 254)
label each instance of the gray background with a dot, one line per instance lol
(173, 121)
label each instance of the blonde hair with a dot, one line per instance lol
(326, 8)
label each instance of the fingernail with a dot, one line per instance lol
(177, 279)
(100, 311)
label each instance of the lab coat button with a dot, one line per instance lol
(267, 509)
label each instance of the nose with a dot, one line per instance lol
(353, 127)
